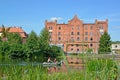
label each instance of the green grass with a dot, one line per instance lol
(95, 69)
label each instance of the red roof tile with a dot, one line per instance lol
(16, 30)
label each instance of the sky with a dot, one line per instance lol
(31, 14)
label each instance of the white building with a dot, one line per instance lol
(115, 47)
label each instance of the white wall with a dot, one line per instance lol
(115, 46)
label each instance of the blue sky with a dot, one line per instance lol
(31, 14)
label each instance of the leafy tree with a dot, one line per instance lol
(5, 32)
(54, 51)
(15, 42)
(16, 51)
(32, 43)
(4, 48)
(105, 44)
(14, 38)
(44, 41)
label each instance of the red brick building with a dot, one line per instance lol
(77, 36)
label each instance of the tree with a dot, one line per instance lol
(105, 44)
(32, 43)
(4, 48)
(5, 32)
(44, 38)
(14, 38)
(55, 51)
(15, 42)
(17, 51)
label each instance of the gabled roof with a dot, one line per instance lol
(16, 30)
(75, 18)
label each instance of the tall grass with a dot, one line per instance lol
(28, 72)
(102, 69)
(96, 69)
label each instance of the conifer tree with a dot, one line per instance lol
(105, 44)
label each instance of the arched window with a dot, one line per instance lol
(91, 39)
(72, 33)
(78, 33)
(59, 28)
(78, 38)
(91, 45)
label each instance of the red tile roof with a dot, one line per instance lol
(17, 30)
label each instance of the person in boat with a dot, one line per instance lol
(55, 61)
(49, 60)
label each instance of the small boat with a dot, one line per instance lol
(52, 63)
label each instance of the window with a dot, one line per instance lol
(91, 39)
(59, 38)
(91, 27)
(78, 50)
(78, 27)
(59, 28)
(72, 33)
(101, 27)
(59, 33)
(86, 33)
(86, 38)
(71, 49)
(78, 38)
(86, 28)
(91, 45)
(50, 33)
(101, 33)
(72, 39)
(50, 28)
(72, 27)
(77, 45)
(115, 46)
(78, 33)
(50, 39)
(91, 33)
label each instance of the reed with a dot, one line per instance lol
(97, 69)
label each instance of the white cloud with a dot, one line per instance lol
(56, 18)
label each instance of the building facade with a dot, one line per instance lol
(76, 36)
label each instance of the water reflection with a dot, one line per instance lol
(22, 62)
